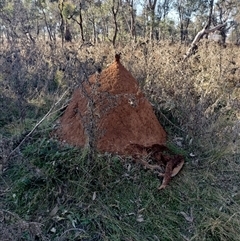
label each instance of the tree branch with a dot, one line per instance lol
(198, 37)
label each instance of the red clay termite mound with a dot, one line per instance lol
(110, 112)
(111, 109)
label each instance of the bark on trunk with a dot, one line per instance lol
(199, 36)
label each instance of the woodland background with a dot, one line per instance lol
(50, 191)
(116, 21)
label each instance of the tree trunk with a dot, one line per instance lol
(81, 22)
(152, 16)
(62, 27)
(152, 7)
(68, 35)
(47, 26)
(181, 32)
(115, 12)
(199, 36)
(133, 27)
(204, 31)
(209, 16)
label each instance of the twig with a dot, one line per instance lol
(171, 122)
(35, 127)
(11, 213)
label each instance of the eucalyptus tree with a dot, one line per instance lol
(91, 17)
(46, 19)
(19, 20)
(72, 11)
(226, 13)
(165, 25)
(235, 31)
(151, 7)
(186, 9)
(154, 20)
(129, 13)
(220, 18)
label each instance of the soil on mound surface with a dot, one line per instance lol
(110, 111)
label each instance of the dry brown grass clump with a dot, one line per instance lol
(202, 95)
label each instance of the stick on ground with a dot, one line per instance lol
(35, 127)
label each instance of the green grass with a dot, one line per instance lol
(115, 199)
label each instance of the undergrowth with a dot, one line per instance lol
(56, 188)
(51, 191)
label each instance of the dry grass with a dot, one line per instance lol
(50, 192)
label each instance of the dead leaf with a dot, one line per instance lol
(171, 169)
(94, 196)
(130, 214)
(129, 167)
(168, 174)
(53, 230)
(54, 211)
(178, 141)
(141, 210)
(58, 218)
(189, 218)
(140, 218)
(177, 169)
(190, 142)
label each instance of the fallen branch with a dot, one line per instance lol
(35, 127)
(199, 36)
